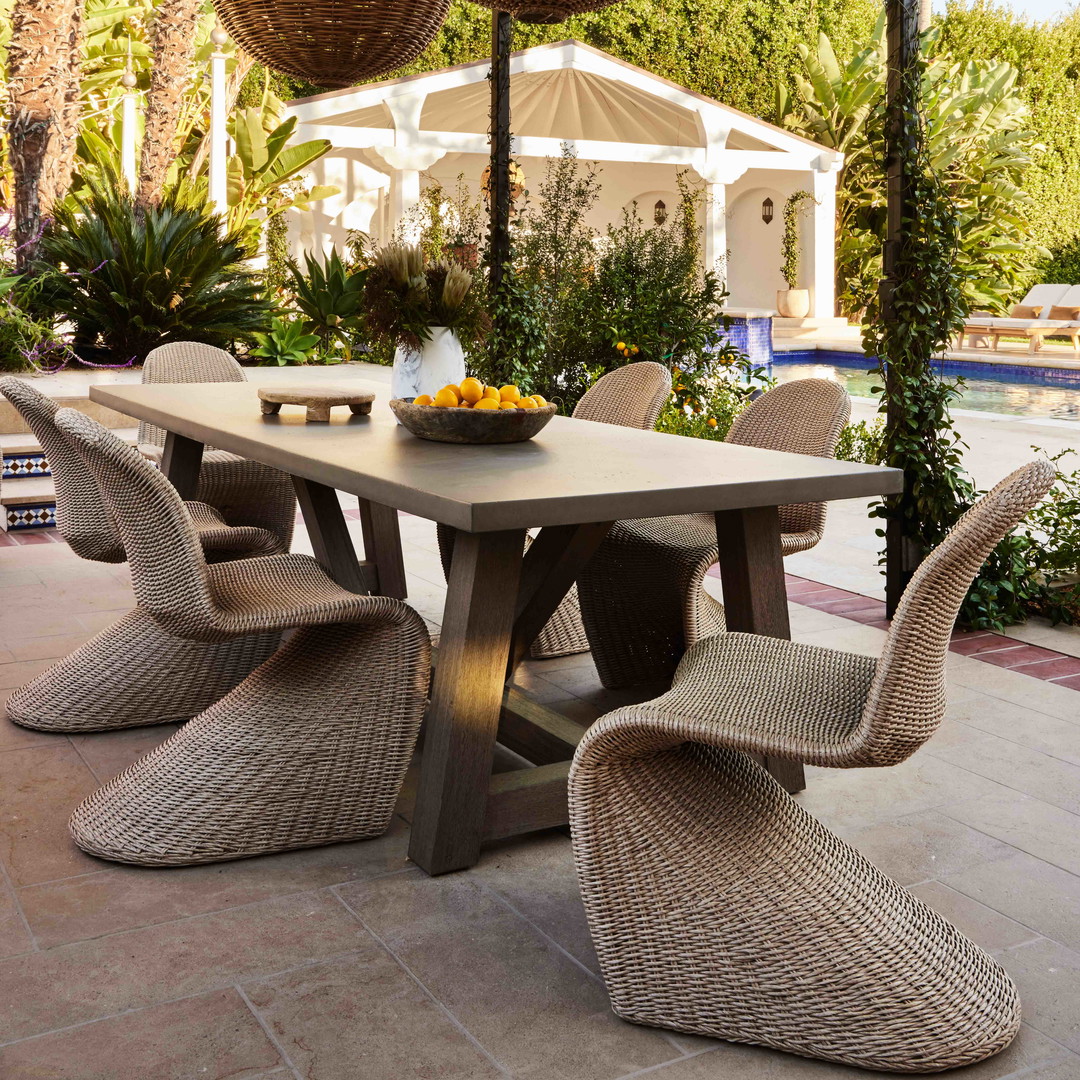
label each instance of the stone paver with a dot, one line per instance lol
(341, 962)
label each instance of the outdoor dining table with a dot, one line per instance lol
(570, 483)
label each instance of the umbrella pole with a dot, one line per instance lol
(502, 29)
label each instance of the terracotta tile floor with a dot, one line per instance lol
(345, 963)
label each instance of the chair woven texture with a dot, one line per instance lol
(718, 906)
(246, 492)
(641, 595)
(132, 673)
(333, 44)
(309, 749)
(630, 396)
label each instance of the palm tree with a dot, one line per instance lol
(44, 59)
(174, 48)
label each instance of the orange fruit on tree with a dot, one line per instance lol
(423, 399)
(510, 393)
(446, 398)
(471, 390)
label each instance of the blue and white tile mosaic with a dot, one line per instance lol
(31, 517)
(19, 466)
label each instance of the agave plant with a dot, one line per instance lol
(287, 343)
(130, 280)
(330, 295)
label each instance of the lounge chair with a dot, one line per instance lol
(1044, 302)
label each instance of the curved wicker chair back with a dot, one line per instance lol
(907, 697)
(82, 516)
(186, 362)
(631, 396)
(801, 417)
(168, 569)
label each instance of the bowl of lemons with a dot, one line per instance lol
(473, 413)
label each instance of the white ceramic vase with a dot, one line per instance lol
(440, 361)
(793, 303)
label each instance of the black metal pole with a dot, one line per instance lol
(902, 43)
(502, 29)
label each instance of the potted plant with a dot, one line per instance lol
(793, 302)
(424, 310)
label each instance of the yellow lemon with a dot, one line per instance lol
(634, 349)
(526, 403)
(492, 392)
(446, 398)
(712, 421)
(486, 403)
(620, 345)
(510, 393)
(452, 389)
(507, 405)
(423, 399)
(472, 390)
(540, 402)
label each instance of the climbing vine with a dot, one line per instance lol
(790, 248)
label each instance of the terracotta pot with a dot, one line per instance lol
(793, 303)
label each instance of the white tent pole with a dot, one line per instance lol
(218, 147)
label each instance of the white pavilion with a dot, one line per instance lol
(392, 137)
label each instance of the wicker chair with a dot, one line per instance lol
(245, 492)
(310, 749)
(132, 673)
(719, 906)
(630, 396)
(642, 600)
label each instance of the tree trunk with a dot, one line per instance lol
(174, 48)
(61, 162)
(42, 57)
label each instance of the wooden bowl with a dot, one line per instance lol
(475, 427)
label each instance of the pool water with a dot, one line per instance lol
(1011, 389)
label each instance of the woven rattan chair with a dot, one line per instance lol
(309, 749)
(132, 673)
(630, 396)
(642, 598)
(245, 492)
(719, 906)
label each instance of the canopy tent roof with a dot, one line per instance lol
(562, 92)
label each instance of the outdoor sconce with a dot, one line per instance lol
(660, 212)
(766, 211)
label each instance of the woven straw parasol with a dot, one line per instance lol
(332, 43)
(545, 11)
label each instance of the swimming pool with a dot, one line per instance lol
(1011, 389)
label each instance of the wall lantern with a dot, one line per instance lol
(766, 211)
(659, 214)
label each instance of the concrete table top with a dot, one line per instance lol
(574, 471)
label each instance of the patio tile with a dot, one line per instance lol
(52, 647)
(1017, 656)
(13, 737)
(1059, 668)
(1030, 1048)
(847, 798)
(926, 845)
(120, 898)
(213, 1036)
(14, 937)
(540, 689)
(363, 1015)
(1047, 832)
(1050, 734)
(1049, 778)
(526, 1002)
(19, 672)
(1007, 685)
(970, 644)
(987, 928)
(39, 788)
(1027, 889)
(536, 876)
(90, 980)
(108, 753)
(1072, 682)
(1067, 1069)
(18, 624)
(1048, 977)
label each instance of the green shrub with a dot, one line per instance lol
(862, 442)
(330, 296)
(131, 280)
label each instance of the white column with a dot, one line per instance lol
(716, 227)
(127, 140)
(219, 151)
(823, 246)
(406, 165)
